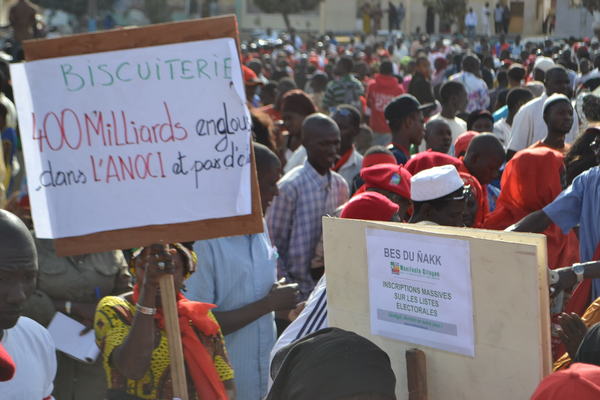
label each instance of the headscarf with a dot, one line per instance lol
(371, 206)
(589, 349)
(193, 315)
(531, 181)
(462, 142)
(331, 364)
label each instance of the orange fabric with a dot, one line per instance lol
(531, 181)
(200, 366)
(345, 157)
(563, 150)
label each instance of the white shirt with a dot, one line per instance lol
(471, 19)
(32, 349)
(349, 170)
(502, 131)
(529, 126)
(352, 167)
(457, 126)
(297, 158)
(477, 91)
(485, 15)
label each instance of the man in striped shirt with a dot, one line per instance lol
(345, 90)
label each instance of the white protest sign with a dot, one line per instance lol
(420, 290)
(129, 138)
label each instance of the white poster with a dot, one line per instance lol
(420, 290)
(136, 137)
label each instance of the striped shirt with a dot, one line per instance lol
(313, 318)
(346, 90)
(294, 219)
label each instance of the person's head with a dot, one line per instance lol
(386, 68)
(438, 196)
(480, 121)
(558, 114)
(471, 64)
(364, 139)
(333, 364)
(516, 98)
(268, 169)
(557, 81)
(590, 105)
(255, 65)
(391, 180)
(347, 118)
(584, 153)
(405, 118)
(453, 93)
(541, 66)
(502, 78)
(470, 9)
(589, 349)
(321, 138)
(585, 66)
(485, 155)
(344, 66)
(284, 85)
(268, 93)
(423, 66)
(438, 135)
(251, 82)
(579, 381)
(18, 268)
(183, 258)
(378, 155)
(262, 129)
(295, 106)
(371, 206)
(318, 82)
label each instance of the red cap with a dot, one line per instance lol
(580, 381)
(250, 77)
(429, 159)
(371, 206)
(7, 365)
(462, 142)
(392, 177)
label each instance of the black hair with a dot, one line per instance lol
(378, 150)
(386, 68)
(502, 77)
(517, 95)
(516, 73)
(450, 89)
(478, 114)
(346, 63)
(581, 157)
(349, 110)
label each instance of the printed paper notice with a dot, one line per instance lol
(420, 290)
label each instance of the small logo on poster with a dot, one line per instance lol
(395, 268)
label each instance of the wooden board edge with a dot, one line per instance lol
(127, 38)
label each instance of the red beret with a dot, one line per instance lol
(462, 142)
(580, 381)
(392, 177)
(378, 158)
(429, 159)
(250, 77)
(370, 206)
(7, 365)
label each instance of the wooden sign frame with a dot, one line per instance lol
(510, 310)
(129, 38)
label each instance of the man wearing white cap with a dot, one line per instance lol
(529, 125)
(439, 196)
(541, 66)
(558, 114)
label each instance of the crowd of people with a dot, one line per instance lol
(482, 133)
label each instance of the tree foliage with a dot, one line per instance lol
(286, 7)
(76, 7)
(451, 11)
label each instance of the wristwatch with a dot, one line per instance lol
(578, 270)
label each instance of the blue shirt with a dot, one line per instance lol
(232, 273)
(580, 204)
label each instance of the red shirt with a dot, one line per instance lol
(379, 94)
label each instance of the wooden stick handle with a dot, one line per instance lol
(169, 308)
(416, 373)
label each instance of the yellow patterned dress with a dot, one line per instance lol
(114, 316)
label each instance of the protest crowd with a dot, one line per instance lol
(484, 132)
